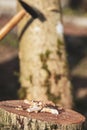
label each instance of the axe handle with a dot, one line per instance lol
(11, 24)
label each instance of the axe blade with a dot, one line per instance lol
(34, 12)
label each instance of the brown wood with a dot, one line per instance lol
(11, 24)
(21, 119)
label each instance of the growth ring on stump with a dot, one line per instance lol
(15, 115)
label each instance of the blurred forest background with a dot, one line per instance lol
(75, 33)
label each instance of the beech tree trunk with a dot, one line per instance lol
(43, 63)
(12, 118)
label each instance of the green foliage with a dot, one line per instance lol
(74, 12)
(10, 39)
(16, 74)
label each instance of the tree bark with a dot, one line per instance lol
(43, 63)
(65, 3)
(16, 119)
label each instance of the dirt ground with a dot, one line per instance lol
(76, 47)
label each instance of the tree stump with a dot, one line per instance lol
(13, 117)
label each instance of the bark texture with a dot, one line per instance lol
(14, 119)
(43, 64)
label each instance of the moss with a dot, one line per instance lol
(60, 44)
(59, 53)
(20, 122)
(8, 127)
(57, 77)
(45, 67)
(47, 53)
(31, 79)
(44, 57)
(37, 125)
(14, 127)
(54, 127)
(51, 96)
(22, 93)
(29, 124)
(47, 83)
(1, 125)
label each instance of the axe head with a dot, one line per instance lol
(34, 12)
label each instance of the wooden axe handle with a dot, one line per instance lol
(11, 24)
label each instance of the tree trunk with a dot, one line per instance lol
(65, 3)
(12, 118)
(79, 4)
(43, 63)
(84, 5)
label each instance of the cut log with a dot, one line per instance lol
(13, 117)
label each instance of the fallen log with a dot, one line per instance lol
(22, 115)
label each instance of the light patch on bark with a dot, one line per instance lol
(60, 28)
(37, 29)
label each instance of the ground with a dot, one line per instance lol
(76, 47)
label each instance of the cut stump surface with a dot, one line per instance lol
(11, 115)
